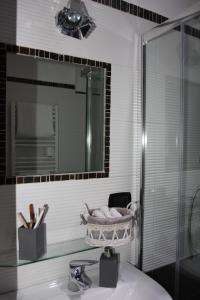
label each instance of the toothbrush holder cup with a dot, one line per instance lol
(32, 242)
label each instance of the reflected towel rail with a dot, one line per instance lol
(34, 155)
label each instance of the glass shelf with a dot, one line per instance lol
(10, 259)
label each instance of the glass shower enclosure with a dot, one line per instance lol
(171, 156)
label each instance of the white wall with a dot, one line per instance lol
(115, 40)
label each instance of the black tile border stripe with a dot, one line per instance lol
(4, 48)
(192, 31)
(133, 9)
(144, 13)
(41, 82)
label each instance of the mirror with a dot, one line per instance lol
(55, 116)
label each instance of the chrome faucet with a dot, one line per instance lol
(78, 280)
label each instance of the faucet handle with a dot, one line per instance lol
(82, 263)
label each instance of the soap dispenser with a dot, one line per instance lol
(109, 268)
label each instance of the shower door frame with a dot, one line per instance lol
(164, 29)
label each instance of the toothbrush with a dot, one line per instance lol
(39, 218)
(32, 216)
(42, 215)
(22, 220)
(46, 208)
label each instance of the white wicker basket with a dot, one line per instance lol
(110, 232)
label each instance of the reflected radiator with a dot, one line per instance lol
(34, 155)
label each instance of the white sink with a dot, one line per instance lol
(132, 285)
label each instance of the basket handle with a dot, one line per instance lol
(134, 206)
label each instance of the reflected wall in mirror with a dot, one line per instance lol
(57, 115)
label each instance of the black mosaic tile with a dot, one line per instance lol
(107, 164)
(106, 170)
(28, 179)
(77, 60)
(107, 156)
(131, 9)
(32, 52)
(116, 4)
(159, 19)
(108, 67)
(107, 2)
(41, 53)
(135, 10)
(65, 177)
(36, 179)
(107, 114)
(146, 14)
(141, 12)
(61, 58)
(154, 17)
(107, 121)
(97, 64)
(108, 80)
(53, 56)
(20, 180)
(125, 6)
(24, 50)
(90, 62)
(46, 54)
(107, 150)
(92, 175)
(52, 178)
(84, 61)
(43, 178)
(108, 92)
(67, 58)
(107, 106)
(107, 140)
(85, 176)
